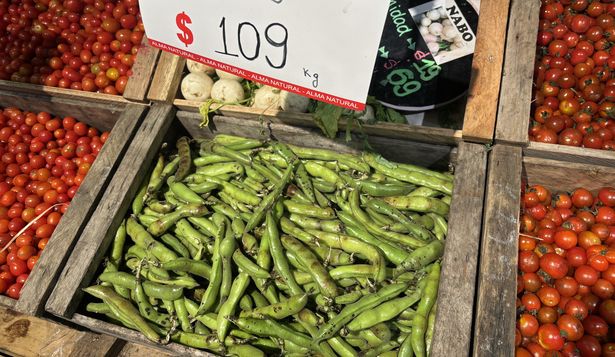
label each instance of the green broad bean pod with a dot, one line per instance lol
(420, 178)
(185, 161)
(418, 204)
(309, 260)
(208, 159)
(154, 183)
(279, 311)
(367, 302)
(123, 309)
(167, 221)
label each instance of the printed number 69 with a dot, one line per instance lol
(402, 80)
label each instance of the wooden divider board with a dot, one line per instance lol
(497, 280)
(142, 72)
(571, 154)
(456, 290)
(459, 267)
(390, 130)
(22, 335)
(122, 123)
(481, 110)
(518, 74)
(166, 80)
(170, 70)
(58, 100)
(136, 337)
(98, 112)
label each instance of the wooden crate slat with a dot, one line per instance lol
(497, 282)
(167, 78)
(42, 279)
(481, 110)
(566, 176)
(62, 102)
(97, 113)
(142, 71)
(135, 336)
(459, 266)
(109, 213)
(7, 302)
(518, 73)
(400, 150)
(571, 154)
(137, 349)
(22, 335)
(390, 130)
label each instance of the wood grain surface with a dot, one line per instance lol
(482, 107)
(459, 267)
(22, 335)
(494, 333)
(168, 75)
(142, 71)
(571, 154)
(517, 77)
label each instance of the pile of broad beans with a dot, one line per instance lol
(261, 248)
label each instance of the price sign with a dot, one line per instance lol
(322, 49)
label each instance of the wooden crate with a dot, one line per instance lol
(479, 120)
(136, 88)
(514, 110)
(459, 266)
(121, 119)
(497, 282)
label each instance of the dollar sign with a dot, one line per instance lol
(186, 36)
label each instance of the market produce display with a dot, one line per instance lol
(215, 88)
(240, 246)
(574, 82)
(566, 273)
(87, 45)
(43, 161)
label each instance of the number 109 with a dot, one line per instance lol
(246, 29)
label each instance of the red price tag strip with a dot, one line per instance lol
(322, 50)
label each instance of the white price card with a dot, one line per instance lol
(322, 49)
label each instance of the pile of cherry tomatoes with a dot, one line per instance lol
(566, 277)
(574, 79)
(43, 160)
(87, 45)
